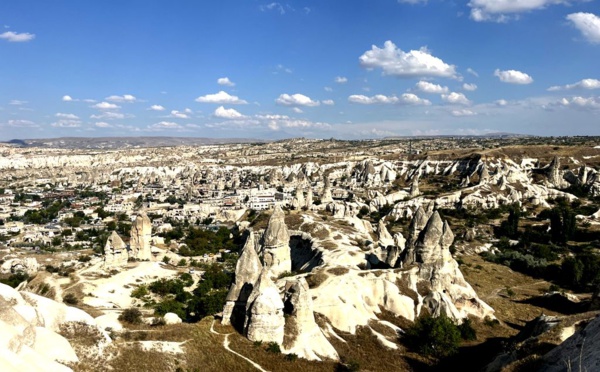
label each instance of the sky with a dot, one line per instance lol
(348, 69)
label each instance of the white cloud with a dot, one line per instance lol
(281, 68)
(22, 123)
(16, 102)
(67, 98)
(582, 84)
(472, 72)
(275, 122)
(273, 6)
(221, 98)
(106, 106)
(412, 2)
(222, 112)
(103, 124)
(328, 102)
(585, 103)
(225, 81)
(295, 100)
(178, 115)
(341, 79)
(164, 125)
(123, 98)
(67, 116)
(328, 89)
(588, 24)
(456, 99)
(427, 87)
(393, 61)
(297, 110)
(503, 10)
(15, 37)
(501, 102)
(463, 112)
(110, 116)
(469, 87)
(156, 108)
(513, 77)
(404, 99)
(66, 123)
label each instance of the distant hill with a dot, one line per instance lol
(125, 142)
(486, 135)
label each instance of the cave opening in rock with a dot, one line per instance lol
(304, 256)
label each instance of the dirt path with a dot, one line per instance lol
(226, 346)
(496, 291)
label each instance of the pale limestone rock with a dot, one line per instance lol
(298, 202)
(276, 241)
(309, 198)
(115, 251)
(141, 231)
(303, 336)
(53, 346)
(581, 351)
(264, 311)
(414, 188)
(383, 235)
(247, 271)
(172, 318)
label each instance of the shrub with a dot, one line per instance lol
(15, 279)
(139, 292)
(291, 357)
(165, 259)
(132, 316)
(273, 347)
(438, 337)
(467, 332)
(70, 299)
(182, 262)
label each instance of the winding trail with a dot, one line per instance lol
(226, 346)
(496, 291)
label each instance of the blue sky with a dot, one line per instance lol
(319, 69)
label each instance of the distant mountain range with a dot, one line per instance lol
(125, 142)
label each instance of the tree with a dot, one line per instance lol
(510, 227)
(438, 337)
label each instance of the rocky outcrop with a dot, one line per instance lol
(141, 232)
(115, 251)
(27, 265)
(276, 244)
(580, 352)
(247, 271)
(298, 202)
(383, 235)
(414, 188)
(264, 311)
(303, 336)
(29, 325)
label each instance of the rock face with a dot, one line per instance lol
(264, 311)
(434, 242)
(141, 231)
(115, 251)
(298, 202)
(385, 238)
(580, 352)
(29, 326)
(27, 265)
(276, 241)
(303, 336)
(247, 271)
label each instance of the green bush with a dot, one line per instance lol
(131, 316)
(139, 292)
(438, 337)
(467, 332)
(70, 299)
(273, 347)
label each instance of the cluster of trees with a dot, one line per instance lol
(547, 253)
(208, 298)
